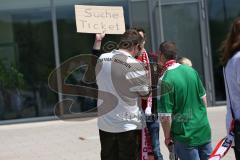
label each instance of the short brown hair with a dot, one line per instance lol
(168, 49)
(129, 39)
(139, 29)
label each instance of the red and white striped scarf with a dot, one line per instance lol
(144, 58)
(166, 66)
(146, 146)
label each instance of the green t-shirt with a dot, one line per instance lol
(181, 95)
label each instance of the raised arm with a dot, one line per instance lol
(98, 41)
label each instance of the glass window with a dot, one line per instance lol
(26, 59)
(221, 15)
(72, 43)
(141, 19)
(178, 21)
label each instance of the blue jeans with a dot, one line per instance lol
(153, 128)
(186, 152)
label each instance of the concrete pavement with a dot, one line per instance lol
(74, 140)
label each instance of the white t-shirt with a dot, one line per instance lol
(121, 79)
(232, 80)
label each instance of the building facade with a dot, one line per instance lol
(37, 36)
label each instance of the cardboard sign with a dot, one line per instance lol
(99, 19)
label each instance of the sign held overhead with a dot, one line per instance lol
(99, 19)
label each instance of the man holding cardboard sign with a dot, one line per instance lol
(99, 19)
(121, 75)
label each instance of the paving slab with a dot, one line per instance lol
(75, 140)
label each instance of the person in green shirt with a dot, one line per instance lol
(182, 107)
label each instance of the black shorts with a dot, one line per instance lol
(120, 146)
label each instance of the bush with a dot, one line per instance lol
(10, 77)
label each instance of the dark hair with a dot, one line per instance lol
(168, 49)
(139, 29)
(129, 39)
(232, 42)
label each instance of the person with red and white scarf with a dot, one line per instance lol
(150, 135)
